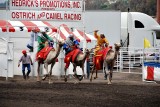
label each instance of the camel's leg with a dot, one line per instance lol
(50, 73)
(82, 67)
(65, 77)
(45, 75)
(75, 73)
(96, 75)
(46, 67)
(92, 71)
(38, 72)
(110, 74)
(107, 72)
(104, 69)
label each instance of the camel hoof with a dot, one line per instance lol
(95, 77)
(109, 83)
(76, 82)
(44, 77)
(65, 79)
(80, 78)
(38, 80)
(50, 82)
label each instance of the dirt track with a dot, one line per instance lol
(126, 91)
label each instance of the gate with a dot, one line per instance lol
(6, 58)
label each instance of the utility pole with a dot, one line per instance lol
(158, 11)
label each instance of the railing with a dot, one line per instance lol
(130, 60)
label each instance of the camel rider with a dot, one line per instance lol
(70, 44)
(71, 48)
(42, 38)
(101, 41)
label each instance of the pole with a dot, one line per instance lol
(84, 43)
(8, 38)
(128, 25)
(83, 11)
(158, 11)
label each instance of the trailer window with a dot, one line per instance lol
(138, 24)
(158, 34)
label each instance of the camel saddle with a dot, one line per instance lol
(42, 54)
(99, 57)
(71, 56)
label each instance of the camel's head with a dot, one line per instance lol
(61, 42)
(87, 51)
(117, 46)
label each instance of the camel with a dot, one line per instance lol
(109, 62)
(79, 61)
(51, 59)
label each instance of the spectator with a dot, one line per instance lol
(26, 61)
(88, 67)
(34, 35)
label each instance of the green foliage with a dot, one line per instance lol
(145, 6)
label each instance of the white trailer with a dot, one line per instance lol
(136, 26)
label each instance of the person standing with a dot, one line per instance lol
(26, 62)
(34, 35)
(88, 67)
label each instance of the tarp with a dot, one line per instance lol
(62, 32)
(151, 71)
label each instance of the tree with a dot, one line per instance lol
(144, 6)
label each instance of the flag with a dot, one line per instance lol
(146, 43)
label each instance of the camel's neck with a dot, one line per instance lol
(83, 56)
(58, 49)
(116, 53)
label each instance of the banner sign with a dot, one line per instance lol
(46, 15)
(47, 5)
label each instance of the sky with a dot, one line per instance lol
(2, 1)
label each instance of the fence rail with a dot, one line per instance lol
(131, 59)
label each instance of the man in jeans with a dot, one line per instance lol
(26, 61)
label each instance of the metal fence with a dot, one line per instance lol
(131, 60)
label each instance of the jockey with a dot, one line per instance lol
(71, 48)
(42, 38)
(70, 44)
(101, 41)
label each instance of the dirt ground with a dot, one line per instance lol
(127, 90)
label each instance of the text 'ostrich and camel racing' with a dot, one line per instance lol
(63, 10)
